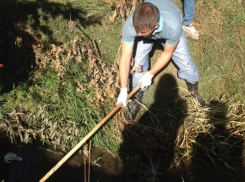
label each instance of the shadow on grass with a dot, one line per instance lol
(23, 25)
(148, 147)
(148, 150)
(218, 151)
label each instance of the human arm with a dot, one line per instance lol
(163, 59)
(124, 66)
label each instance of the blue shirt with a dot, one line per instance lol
(170, 24)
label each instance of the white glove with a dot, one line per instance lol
(145, 80)
(123, 96)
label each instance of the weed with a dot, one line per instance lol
(61, 61)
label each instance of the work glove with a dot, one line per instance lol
(145, 80)
(123, 96)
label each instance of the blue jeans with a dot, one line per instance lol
(181, 58)
(189, 10)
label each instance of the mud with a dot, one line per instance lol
(37, 161)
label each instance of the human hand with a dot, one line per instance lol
(145, 80)
(123, 96)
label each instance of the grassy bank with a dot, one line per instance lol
(61, 79)
(58, 94)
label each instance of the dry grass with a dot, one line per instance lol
(170, 125)
(214, 134)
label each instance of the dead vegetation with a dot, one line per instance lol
(179, 129)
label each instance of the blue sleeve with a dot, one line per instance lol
(175, 36)
(129, 33)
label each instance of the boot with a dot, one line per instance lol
(135, 106)
(193, 89)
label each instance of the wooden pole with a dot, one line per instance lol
(69, 154)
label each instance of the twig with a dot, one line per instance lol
(85, 166)
(89, 160)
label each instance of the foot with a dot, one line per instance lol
(193, 89)
(133, 110)
(191, 31)
(198, 99)
(135, 107)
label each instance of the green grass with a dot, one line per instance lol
(58, 100)
(63, 91)
(220, 51)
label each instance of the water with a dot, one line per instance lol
(37, 161)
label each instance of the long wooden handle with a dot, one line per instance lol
(69, 154)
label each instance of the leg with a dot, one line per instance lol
(141, 60)
(141, 65)
(181, 57)
(187, 69)
(189, 10)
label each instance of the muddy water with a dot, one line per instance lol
(37, 161)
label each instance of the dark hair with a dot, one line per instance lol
(145, 15)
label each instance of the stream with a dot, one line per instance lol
(37, 161)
